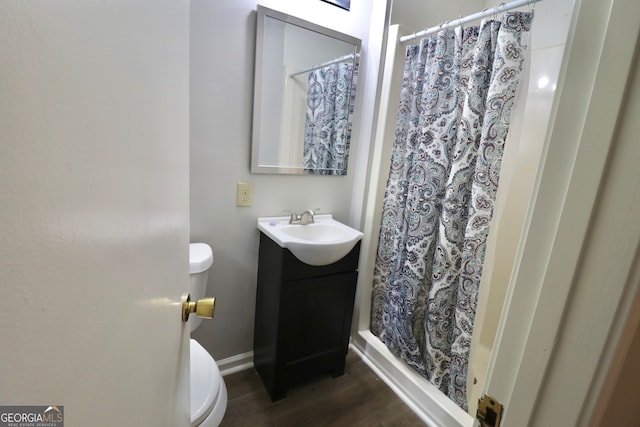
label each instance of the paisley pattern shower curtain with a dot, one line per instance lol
(457, 94)
(327, 127)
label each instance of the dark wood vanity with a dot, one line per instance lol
(303, 316)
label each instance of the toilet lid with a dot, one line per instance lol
(205, 382)
(200, 257)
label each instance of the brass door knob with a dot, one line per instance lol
(202, 308)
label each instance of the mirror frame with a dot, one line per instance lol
(264, 13)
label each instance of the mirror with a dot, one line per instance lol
(304, 93)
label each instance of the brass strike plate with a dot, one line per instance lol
(489, 412)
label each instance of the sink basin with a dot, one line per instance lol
(321, 243)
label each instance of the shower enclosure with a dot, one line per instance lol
(510, 251)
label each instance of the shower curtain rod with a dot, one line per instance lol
(503, 7)
(324, 64)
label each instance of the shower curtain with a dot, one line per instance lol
(457, 94)
(327, 127)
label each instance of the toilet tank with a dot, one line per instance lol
(200, 260)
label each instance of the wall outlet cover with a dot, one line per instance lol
(244, 194)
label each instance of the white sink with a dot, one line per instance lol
(321, 243)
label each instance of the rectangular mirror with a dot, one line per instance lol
(304, 94)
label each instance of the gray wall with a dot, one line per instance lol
(222, 59)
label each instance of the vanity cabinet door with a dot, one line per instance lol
(316, 321)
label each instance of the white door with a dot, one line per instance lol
(94, 198)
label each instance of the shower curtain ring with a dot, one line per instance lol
(497, 10)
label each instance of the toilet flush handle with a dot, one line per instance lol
(202, 308)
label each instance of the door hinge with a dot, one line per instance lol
(489, 412)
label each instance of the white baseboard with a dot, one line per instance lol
(237, 363)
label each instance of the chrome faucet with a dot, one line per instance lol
(306, 217)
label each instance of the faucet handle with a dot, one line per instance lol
(294, 216)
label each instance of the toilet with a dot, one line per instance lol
(208, 391)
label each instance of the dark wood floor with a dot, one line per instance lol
(358, 398)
